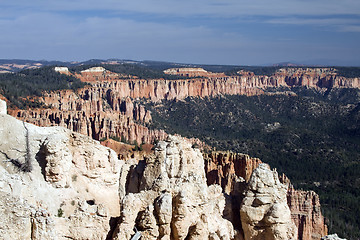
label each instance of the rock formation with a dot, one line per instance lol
(3, 107)
(224, 167)
(306, 213)
(233, 170)
(264, 212)
(332, 237)
(96, 112)
(55, 184)
(192, 72)
(63, 70)
(167, 197)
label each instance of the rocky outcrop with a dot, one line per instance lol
(212, 84)
(3, 107)
(306, 214)
(158, 89)
(166, 197)
(264, 211)
(315, 78)
(63, 70)
(332, 237)
(55, 184)
(224, 167)
(233, 170)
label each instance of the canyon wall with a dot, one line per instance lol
(97, 112)
(105, 108)
(213, 84)
(306, 213)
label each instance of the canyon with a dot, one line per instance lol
(109, 105)
(73, 187)
(146, 191)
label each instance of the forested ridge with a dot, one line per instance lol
(16, 87)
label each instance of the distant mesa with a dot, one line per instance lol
(192, 72)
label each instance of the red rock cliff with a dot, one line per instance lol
(216, 84)
(223, 167)
(306, 214)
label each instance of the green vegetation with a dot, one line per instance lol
(349, 72)
(267, 71)
(74, 178)
(313, 137)
(60, 212)
(16, 87)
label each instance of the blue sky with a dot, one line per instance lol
(238, 32)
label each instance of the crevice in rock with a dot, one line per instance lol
(41, 159)
(134, 177)
(113, 222)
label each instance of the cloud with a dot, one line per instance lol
(341, 24)
(198, 31)
(350, 28)
(313, 21)
(217, 8)
(41, 35)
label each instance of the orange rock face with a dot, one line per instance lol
(223, 167)
(306, 214)
(213, 84)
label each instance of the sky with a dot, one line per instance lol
(231, 32)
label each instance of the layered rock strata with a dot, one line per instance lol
(223, 167)
(192, 72)
(57, 184)
(97, 112)
(306, 214)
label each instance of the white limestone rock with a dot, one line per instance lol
(264, 212)
(59, 183)
(61, 69)
(173, 200)
(332, 237)
(3, 108)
